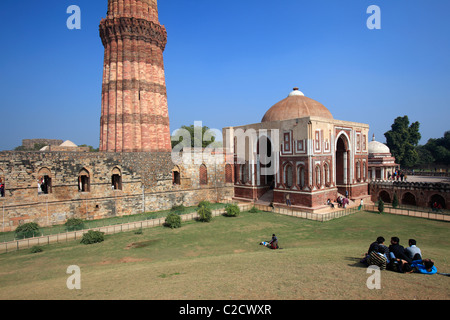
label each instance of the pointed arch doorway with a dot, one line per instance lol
(342, 164)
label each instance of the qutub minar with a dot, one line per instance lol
(134, 114)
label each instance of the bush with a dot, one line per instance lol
(74, 224)
(380, 206)
(27, 230)
(93, 237)
(204, 214)
(173, 221)
(205, 204)
(253, 210)
(36, 249)
(395, 201)
(178, 209)
(232, 210)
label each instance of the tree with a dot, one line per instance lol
(380, 206)
(402, 140)
(439, 149)
(395, 202)
(199, 136)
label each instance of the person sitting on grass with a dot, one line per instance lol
(425, 266)
(413, 252)
(378, 248)
(272, 244)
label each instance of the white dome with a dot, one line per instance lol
(378, 147)
(296, 92)
(68, 143)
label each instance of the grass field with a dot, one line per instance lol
(222, 260)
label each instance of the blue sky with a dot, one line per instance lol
(228, 62)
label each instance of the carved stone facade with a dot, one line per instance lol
(314, 157)
(134, 115)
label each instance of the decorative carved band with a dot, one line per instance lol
(134, 84)
(132, 28)
(134, 118)
(151, 3)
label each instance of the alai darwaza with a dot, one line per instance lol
(301, 153)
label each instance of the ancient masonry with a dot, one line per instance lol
(134, 171)
(134, 115)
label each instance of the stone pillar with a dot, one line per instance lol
(135, 116)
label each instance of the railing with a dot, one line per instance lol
(433, 215)
(110, 229)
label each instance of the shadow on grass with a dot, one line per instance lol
(356, 262)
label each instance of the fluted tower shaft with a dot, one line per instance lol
(134, 115)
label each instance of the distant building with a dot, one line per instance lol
(30, 143)
(381, 162)
(65, 146)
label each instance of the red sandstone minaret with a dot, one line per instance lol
(135, 115)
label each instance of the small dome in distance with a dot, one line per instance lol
(376, 147)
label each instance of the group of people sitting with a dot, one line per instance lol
(341, 201)
(397, 258)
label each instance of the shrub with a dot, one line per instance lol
(253, 210)
(173, 221)
(380, 206)
(27, 230)
(36, 249)
(138, 231)
(204, 214)
(93, 237)
(205, 204)
(395, 201)
(178, 209)
(232, 210)
(74, 224)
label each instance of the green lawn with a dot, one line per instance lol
(223, 260)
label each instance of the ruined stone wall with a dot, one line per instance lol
(421, 194)
(29, 143)
(146, 185)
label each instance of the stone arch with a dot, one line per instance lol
(439, 200)
(264, 152)
(358, 171)
(301, 176)
(44, 178)
(326, 174)
(203, 175)
(228, 173)
(342, 159)
(288, 175)
(409, 199)
(384, 195)
(116, 179)
(176, 176)
(317, 176)
(2, 184)
(84, 180)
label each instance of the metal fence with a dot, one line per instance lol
(135, 225)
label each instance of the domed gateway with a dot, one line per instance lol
(299, 155)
